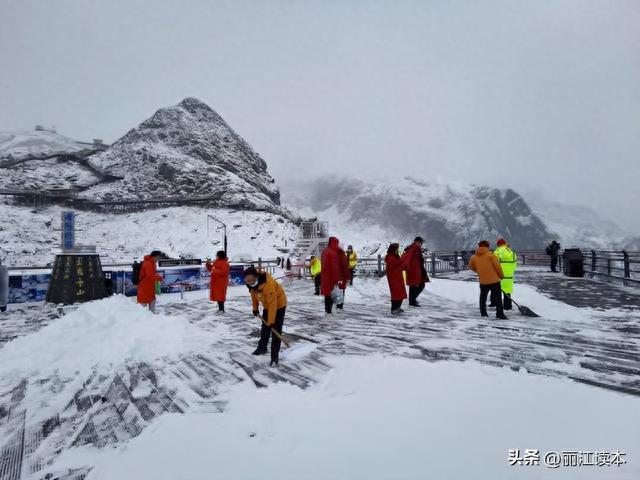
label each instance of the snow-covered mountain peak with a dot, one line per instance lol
(183, 151)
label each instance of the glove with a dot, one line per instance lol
(256, 313)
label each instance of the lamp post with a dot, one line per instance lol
(224, 227)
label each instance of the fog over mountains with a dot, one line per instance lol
(188, 151)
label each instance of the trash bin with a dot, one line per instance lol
(573, 262)
(4, 287)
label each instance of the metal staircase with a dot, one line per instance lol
(314, 236)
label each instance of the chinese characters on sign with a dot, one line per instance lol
(567, 458)
(68, 230)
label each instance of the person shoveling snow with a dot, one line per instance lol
(267, 291)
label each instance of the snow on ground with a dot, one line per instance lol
(102, 334)
(178, 231)
(110, 391)
(379, 417)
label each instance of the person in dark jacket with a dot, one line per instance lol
(412, 262)
(553, 250)
(395, 278)
(335, 274)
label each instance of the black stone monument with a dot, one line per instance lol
(77, 273)
(76, 278)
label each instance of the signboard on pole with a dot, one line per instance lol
(68, 230)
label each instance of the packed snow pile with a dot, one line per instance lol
(447, 215)
(101, 335)
(378, 417)
(121, 238)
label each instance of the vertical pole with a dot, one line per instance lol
(627, 265)
(259, 263)
(594, 261)
(379, 263)
(455, 262)
(433, 264)
(608, 265)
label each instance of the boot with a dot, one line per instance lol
(502, 317)
(258, 351)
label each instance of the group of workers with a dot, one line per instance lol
(333, 272)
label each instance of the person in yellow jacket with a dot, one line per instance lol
(509, 262)
(268, 292)
(315, 268)
(353, 262)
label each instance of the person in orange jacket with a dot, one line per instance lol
(219, 270)
(147, 280)
(487, 266)
(268, 292)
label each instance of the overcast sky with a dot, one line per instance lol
(534, 95)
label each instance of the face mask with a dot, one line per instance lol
(254, 284)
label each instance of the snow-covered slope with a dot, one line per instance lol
(182, 151)
(43, 160)
(36, 142)
(32, 237)
(448, 215)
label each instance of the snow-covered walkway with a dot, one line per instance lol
(101, 374)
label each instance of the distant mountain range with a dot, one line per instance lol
(188, 151)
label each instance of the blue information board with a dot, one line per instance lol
(68, 230)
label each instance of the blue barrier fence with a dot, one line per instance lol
(32, 287)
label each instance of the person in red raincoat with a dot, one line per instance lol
(147, 280)
(219, 270)
(413, 263)
(395, 278)
(335, 273)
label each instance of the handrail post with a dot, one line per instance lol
(259, 263)
(455, 262)
(379, 264)
(594, 261)
(433, 264)
(608, 265)
(627, 265)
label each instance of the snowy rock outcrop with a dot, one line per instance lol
(186, 150)
(447, 215)
(44, 160)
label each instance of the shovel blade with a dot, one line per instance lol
(527, 312)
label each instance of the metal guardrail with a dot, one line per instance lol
(613, 264)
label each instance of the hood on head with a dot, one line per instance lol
(333, 242)
(482, 250)
(148, 257)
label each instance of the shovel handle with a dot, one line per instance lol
(277, 334)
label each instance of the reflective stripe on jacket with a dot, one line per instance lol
(509, 262)
(353, 259)
(315, 267)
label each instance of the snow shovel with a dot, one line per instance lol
(526, 311)
(292, 352)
